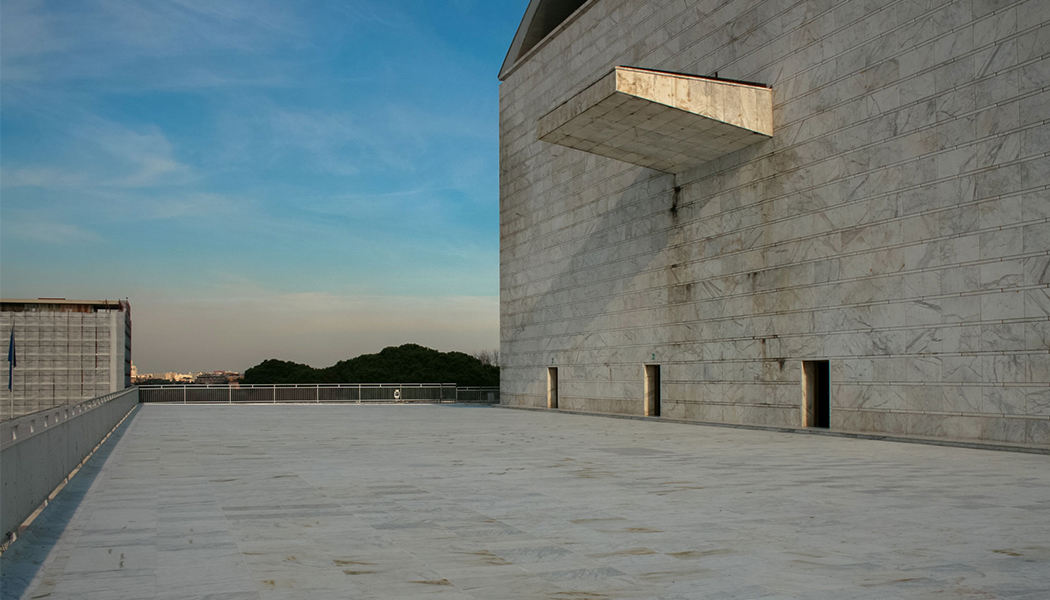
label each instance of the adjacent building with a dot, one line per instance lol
(217, 378)
(791, 213)
(65, 350)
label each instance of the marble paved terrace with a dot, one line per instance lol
(436, 502)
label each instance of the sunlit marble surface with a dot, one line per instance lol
(665, 121)
(269, 502)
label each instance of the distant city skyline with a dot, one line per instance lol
(307, 182)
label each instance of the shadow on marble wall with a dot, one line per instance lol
(585, 336)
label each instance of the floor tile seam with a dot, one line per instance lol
(418, 564)
(246, 575)
(947, 442)
(471, 543)
(238, 542)
(543, 540)
(135, 436)
(402, 547)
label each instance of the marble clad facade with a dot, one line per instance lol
(896, 224)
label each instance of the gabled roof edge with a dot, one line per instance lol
(519, 38)
(514, 56)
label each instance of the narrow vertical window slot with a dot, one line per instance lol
(816, 394)
(652, 390)
(552, 387)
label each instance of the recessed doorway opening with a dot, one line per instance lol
(816, 394)
(652, 390)
(552, 387)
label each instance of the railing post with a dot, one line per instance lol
(184, 394)
(229, 388)
(359, 393)
(275, 393)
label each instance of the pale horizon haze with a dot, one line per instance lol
(306, 181)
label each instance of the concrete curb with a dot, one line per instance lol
(806, 431)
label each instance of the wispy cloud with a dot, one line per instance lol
(369, 14)
(322, 136)
(105, 154)
(43, 177)
(143, 158)
(152, 29)
(196, 205)
(336, 142)
(119, 45)
(30, 30)
(131, 206)
(327, 168)
(33, 228)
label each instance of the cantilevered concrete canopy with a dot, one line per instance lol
(664, 121)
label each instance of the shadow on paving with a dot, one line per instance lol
(23, 559)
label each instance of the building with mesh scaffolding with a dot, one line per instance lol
(65, 351)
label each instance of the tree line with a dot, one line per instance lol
(409, 363)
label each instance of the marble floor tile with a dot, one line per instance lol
(432, 502)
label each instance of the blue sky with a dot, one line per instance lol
(298, 180)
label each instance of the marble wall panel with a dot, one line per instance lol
(897, 224)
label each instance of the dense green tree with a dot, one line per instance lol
(410, 363)
(282, 371)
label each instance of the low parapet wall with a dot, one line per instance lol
(40, 450)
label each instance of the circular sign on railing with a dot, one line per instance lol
(397, 394)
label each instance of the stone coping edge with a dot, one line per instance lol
(929, 441)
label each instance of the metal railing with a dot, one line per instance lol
(334, 393)
(40, 450)
(12, 407)
(478, 394)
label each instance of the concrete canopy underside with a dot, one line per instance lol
(664, 121)
(400, 502)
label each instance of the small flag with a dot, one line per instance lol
(12, 360)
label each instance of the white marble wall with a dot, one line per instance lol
(897, 224)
